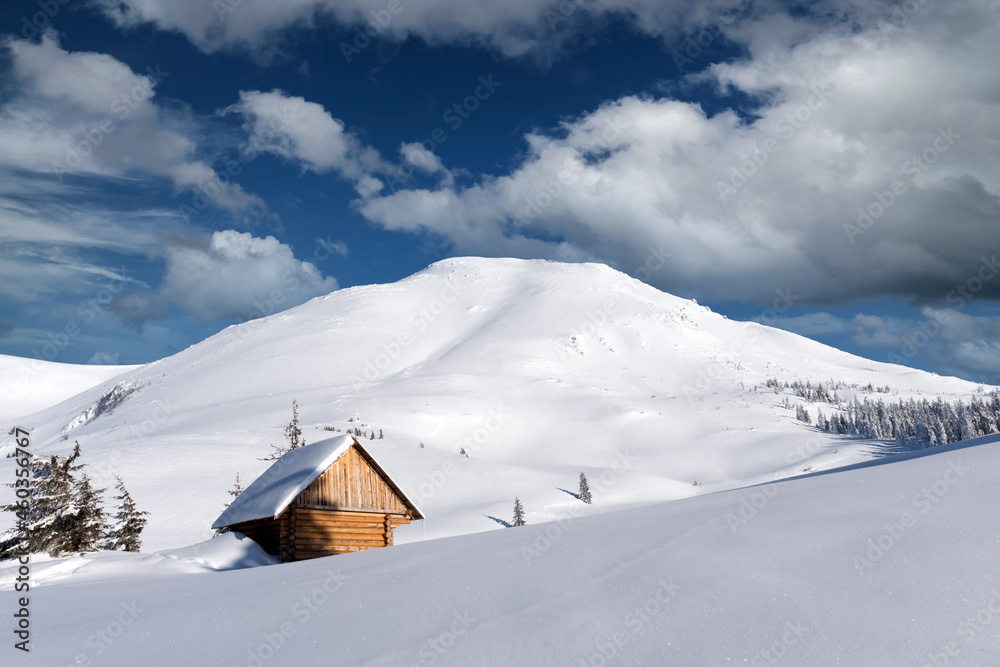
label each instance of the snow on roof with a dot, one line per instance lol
(272, 492)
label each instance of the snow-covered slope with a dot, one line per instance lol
(538, 370)
(881, 565)
(30, 385)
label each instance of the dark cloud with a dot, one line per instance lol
(137, 308)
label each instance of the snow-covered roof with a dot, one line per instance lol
(290, 475)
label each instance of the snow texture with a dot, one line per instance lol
(798, 545)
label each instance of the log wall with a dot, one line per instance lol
(304, 532)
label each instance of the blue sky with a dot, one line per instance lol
(167, 166)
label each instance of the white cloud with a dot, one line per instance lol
(513, 27)
(94, 82)
(419, 157)
(236, 275)
(305, 133)
(840, 116)
(104, 358)
(82, 114)
(812, 324)
(875, 331)
(949, 341)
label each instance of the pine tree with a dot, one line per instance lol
(129, 522)
(49, 504)
(518, 513)
(85, 525)
(235, 491)
(293, 434)
(584, 489)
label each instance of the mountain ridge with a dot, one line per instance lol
(539, 370)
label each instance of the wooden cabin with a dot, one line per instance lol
(327, 498)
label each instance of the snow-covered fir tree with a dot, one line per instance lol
(129, 522)
(236, 490)
(584, 489)
(518, 513)
(86, 523)
(802, 414)
(41, 523)
(923, 422)
(235, 493)
(293, 434)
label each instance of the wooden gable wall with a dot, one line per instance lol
(353, 483)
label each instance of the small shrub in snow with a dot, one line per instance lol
(235, 493)
(293, 434)
(585, 489)
(236, 490)
(518, 513)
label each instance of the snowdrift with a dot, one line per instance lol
(889, 564)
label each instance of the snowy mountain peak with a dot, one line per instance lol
(478, 380)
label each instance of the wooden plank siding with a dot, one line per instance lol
(352, 483)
